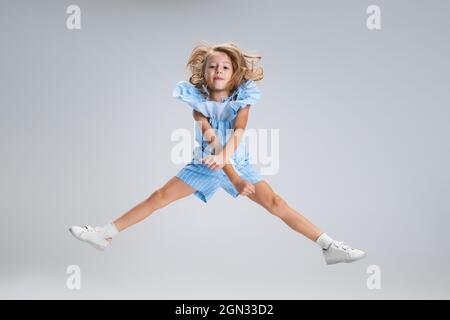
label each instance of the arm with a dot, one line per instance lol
(242, 186)
(239, 129)
(223, 154)
(207, 131)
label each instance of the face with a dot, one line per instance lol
(218, 71)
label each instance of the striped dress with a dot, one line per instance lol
(221, 116)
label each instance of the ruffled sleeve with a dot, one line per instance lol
(247, 94)
(187, 92)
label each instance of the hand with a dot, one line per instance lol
(244, 187)
(215, 162)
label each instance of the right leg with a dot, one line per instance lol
(173, 190)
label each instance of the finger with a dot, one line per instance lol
(208, 165)
(214, 164)
(250, 186)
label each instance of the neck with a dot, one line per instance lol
(219, 95)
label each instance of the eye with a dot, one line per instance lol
(225, 67)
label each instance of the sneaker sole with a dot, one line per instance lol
(96, 246)
(336, 262)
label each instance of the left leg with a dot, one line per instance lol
(276, 205)
(333, 251)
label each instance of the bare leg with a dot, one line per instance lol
(266, 197)
(173, 190)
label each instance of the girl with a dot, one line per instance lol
(220, 90)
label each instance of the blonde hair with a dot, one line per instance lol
(243, 64)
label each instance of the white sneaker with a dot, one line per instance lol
(339, 252)
(93, 236)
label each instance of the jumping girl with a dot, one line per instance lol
(221, 90)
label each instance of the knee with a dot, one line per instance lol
(159, 197)
(277, 205)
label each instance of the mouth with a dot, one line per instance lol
(217, 78)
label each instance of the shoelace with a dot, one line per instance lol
(340, 244)
(91, 229)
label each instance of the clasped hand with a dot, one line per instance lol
(215, 162)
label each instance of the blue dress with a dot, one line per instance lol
(221, 116)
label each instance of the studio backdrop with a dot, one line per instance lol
(355, 109)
